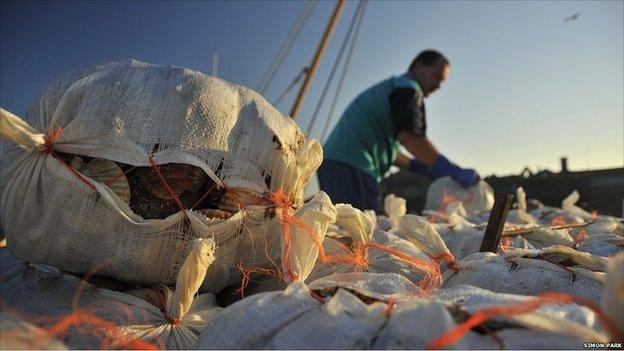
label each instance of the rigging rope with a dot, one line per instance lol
(344, 72)
(303, 72)
(346, 40)
(281, 54)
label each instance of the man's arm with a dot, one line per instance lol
(408, 116)
(419, 146)
(429, 161)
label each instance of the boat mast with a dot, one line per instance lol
(317, 56)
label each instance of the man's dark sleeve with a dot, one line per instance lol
(408, 111)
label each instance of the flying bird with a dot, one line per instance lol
(572, 18)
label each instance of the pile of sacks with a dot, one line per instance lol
(156, 207)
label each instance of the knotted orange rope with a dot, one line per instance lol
(358, 259)
(523, 307)
(51, 136)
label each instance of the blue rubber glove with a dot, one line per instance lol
(442, 167)
(418, 167)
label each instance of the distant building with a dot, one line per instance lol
(600, 190)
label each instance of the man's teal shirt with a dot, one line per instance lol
(365, 136)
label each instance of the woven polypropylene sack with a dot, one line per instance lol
(381, 311)
(444, 191)
(136, 113)
(45, 297)
(527, 276)
(18, 334)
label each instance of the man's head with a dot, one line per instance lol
(430, 68)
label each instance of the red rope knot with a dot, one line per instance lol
(50, 138)
(389, 307)
(281, 200)
(360, 255)
(447, 257)
(173, 321)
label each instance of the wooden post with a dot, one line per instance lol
(496, 222)
(317, 56)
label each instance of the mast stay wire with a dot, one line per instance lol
(301, 74)
(284, 50)
(344, 72)
(334, 68)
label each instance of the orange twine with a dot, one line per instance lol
(119, 339)
(113, 179)
(389, 307)
(241, 204)
(74, 171)
(580, 237)
(523, 307)
(53, 134)
(164, 181)
(49, 139)
(559, 220)
(246, 273)
(594, 215)
(359, 257)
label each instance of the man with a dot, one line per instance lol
(365, 142)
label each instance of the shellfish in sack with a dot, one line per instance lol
(209, 154)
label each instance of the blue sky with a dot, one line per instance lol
(525, 88)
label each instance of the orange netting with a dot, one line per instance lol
(523, 307)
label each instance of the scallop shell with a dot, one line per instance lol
(235, 197)
(103, 171)
(180, 178)
(219, 214)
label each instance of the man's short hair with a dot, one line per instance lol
(428, 58)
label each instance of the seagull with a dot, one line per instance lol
(572, 18)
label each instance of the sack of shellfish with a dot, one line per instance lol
(18, 334)
(444, 191)
(126, 163)
(354, 246)
(387, 311)
(531, 272)
(87, 316)
(474, 318)
(344, 311)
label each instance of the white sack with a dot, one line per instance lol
(604, 245)
(18, 334)
(515, 272)
(294, 319)
(445, 190)
(44, 291)
(395, 207)
(613, 294)
(315, 215)
(128, 111)
(378, 261)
